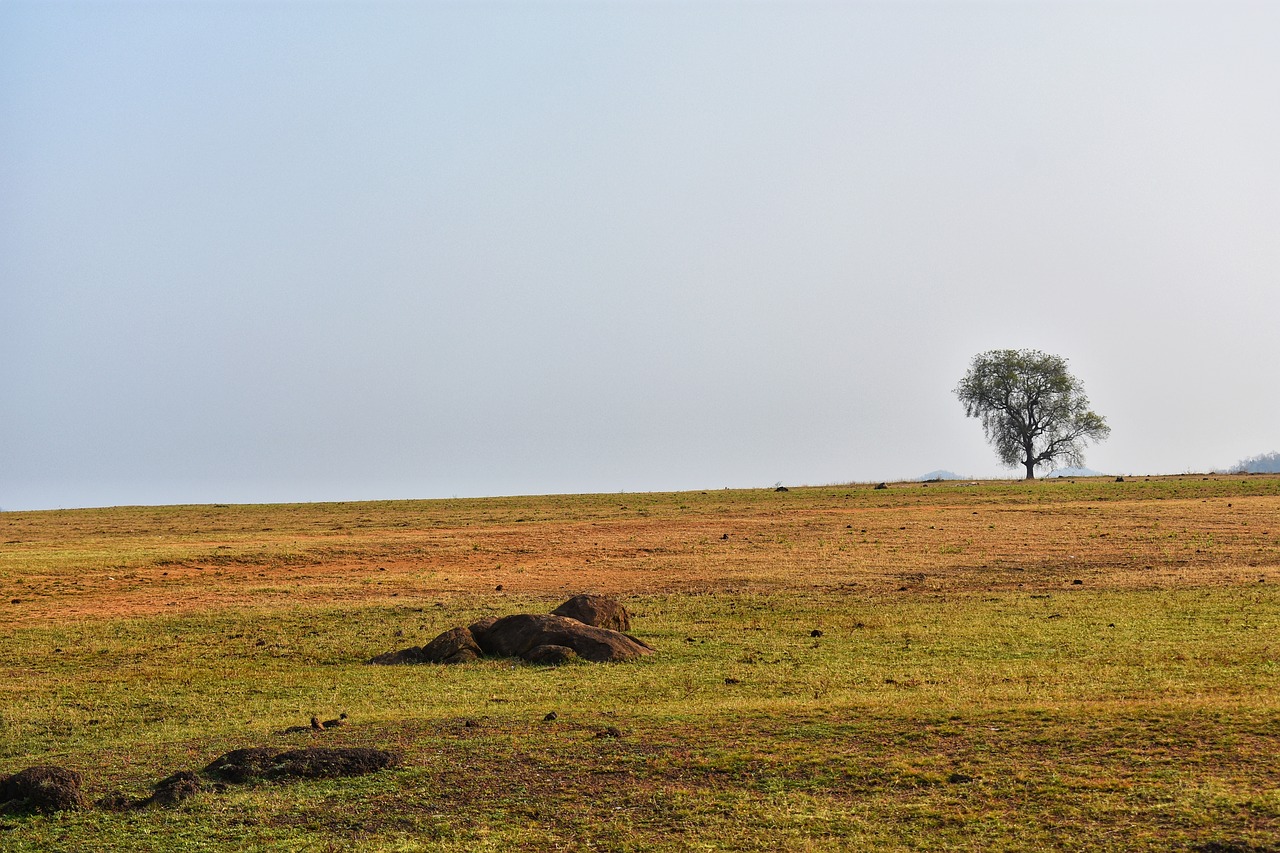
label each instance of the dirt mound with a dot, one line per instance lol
(599, 611)
(320, 763)
(43, 789)
(244, 765)
(173, 789)
(519, 635)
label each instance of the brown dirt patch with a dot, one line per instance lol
(68, 565)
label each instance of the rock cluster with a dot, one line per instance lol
(586, 627)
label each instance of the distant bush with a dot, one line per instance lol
(1263, 463)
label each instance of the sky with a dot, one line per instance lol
(264, 252)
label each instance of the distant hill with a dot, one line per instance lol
(1075, 472)
(941, 475)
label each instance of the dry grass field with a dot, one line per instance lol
(1073, 665)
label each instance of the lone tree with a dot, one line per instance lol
(1033, 411)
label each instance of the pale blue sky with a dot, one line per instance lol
(323, 251)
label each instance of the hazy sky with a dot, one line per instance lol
(323, 251)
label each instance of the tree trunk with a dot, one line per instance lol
(1031, 470)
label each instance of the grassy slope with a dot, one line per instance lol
(964, 693)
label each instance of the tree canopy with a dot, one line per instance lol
(1033, 411)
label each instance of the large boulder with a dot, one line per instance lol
(518, 635)
(44, 789)
(597, 610)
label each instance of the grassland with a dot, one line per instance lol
(1083, 665)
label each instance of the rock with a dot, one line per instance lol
(515, 636)
(816, 632)
(456, 645)
(882, 485)
(44, 789)
(782, 489)
(411, 655)
(480, 626)
(597, 610)
(551, 655)
(550, 717)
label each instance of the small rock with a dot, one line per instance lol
(882, 485)
(498, 588)
(1077, 582)
(550, 717)
(815, 633)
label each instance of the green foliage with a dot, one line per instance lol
(1263, 463)
(1033, 411)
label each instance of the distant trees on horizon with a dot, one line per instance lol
(1263, 463)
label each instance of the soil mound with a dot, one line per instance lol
(44, 789)
(320, 763)
(244, 765)
(597, 610)
(173, 789)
